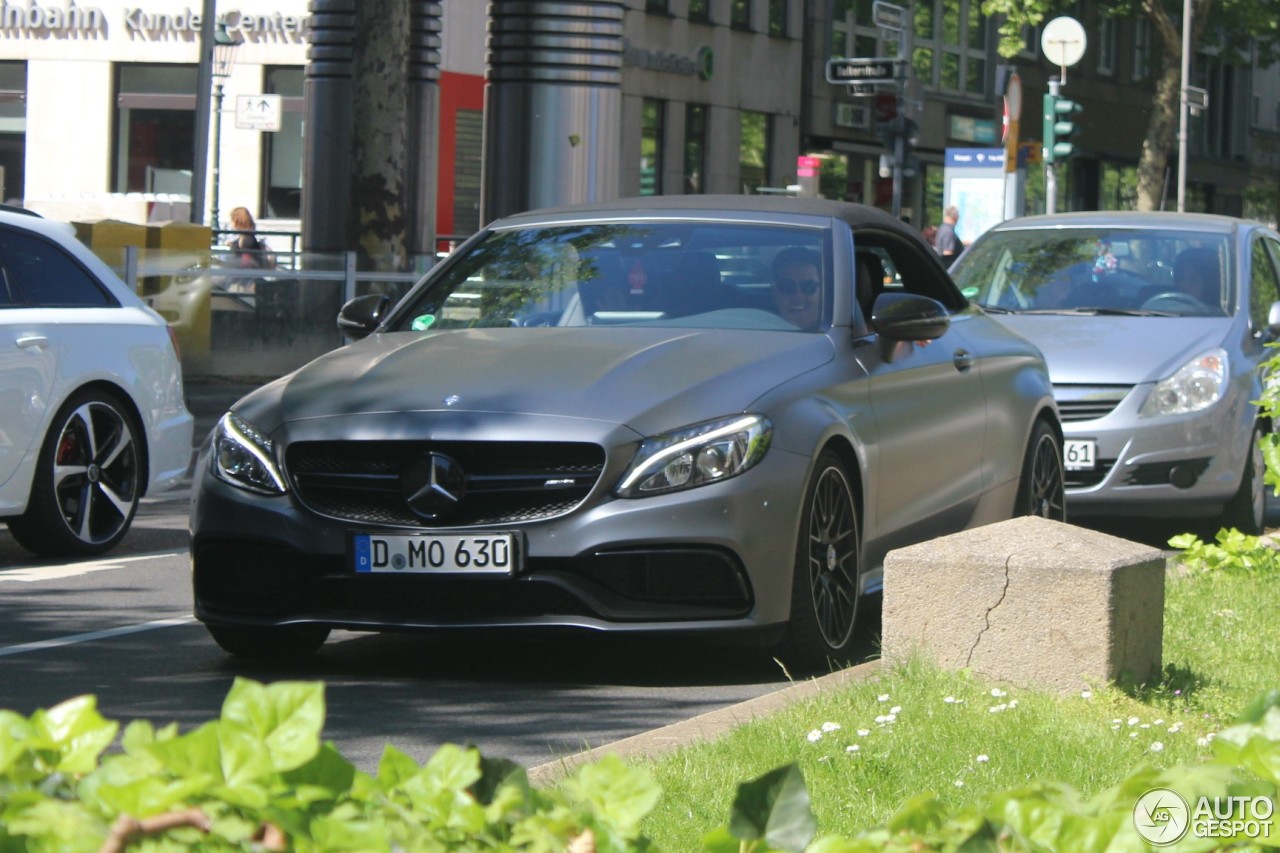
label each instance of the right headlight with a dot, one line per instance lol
(696, 456)
(244, 457)
(1196, 385)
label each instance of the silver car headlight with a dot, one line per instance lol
(1196, 385)
(696, 455)
(243, 457)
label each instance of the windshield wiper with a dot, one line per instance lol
(995, 309)
(1099, 311)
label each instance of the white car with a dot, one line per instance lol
(92, 413)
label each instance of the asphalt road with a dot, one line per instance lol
(120, 628)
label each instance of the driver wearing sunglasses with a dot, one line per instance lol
(797, 287)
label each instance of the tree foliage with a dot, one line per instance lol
(1239, 31)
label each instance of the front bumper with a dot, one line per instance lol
(717, 558)
(1184, 466)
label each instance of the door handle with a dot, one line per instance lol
(32, 342)
(963, 360)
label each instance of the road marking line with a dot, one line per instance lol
(73, 639)
(71, 570)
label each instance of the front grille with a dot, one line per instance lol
(1087, 403)
(505, 482)
(1089, 478)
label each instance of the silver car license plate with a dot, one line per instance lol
(442, 553)
(1080, 454)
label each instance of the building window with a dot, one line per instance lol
(282, 150)
(950, 48)
(740, 14)
(651, 130)
(695, 148)
(753, 151)
(13, 130)
(852, 32)
(1107, 45)
(1141, 50)
(700, 10)
(660, 7)
(155, 128)
(778, 18)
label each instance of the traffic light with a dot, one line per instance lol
(899, 135)
(1059, 127)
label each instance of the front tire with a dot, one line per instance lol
(1041, 491)
(88, 480)
(271, 642)
(1247, 510)
(825, 588)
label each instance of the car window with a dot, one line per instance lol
(1263, 289)
(698, 274)
(37, 273)
(1157, 271)
(894, 264)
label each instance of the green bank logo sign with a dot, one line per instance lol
(73, 19)
(700, 65)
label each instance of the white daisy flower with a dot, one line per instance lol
(1157, 746)
(831, 727)
(982, 759)
(815, 736)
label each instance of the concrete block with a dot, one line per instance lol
(1029, 602)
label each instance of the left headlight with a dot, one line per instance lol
(1196, 385)
(244, 457)
(696, 456)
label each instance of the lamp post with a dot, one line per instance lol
(224, 59)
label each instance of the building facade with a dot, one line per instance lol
(98, 110)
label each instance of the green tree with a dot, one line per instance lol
(1241, 31)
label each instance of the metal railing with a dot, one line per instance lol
(233, 321)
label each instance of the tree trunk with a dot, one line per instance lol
(1154, 179)
(381, 118)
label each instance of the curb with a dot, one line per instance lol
(705, 727)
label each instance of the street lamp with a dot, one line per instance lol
(224, 59)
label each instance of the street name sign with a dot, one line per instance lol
(863, 70)
(890, 16)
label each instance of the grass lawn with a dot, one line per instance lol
(866, 748)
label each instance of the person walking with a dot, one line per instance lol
(946, 242)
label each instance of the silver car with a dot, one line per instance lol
(697, 414)
(1153, 325)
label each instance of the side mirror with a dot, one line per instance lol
(1273, 320)
(909, 317)
(361, 316)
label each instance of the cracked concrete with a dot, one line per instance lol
(1030, 602)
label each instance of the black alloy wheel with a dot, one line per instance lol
(1041, 490)
(825, 588)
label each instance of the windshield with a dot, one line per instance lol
(700, 274)
(1099, 270)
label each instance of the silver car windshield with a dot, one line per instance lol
(688, 274)
(1100, 271)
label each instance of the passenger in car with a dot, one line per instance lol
(797, 287)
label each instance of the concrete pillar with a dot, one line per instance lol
(327, 109)
(553, 105)
(1029, 602)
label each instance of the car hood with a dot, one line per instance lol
(1102, 350)
(649, 379)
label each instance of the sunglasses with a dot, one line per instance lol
(788, 286)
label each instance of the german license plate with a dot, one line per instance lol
(1080, 454)
(443, 553)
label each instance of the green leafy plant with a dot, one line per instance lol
(260, 778)
(1233, 552)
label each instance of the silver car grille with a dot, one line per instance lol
(1088, 402)
(375, 482)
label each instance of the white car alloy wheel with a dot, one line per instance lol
(88, 480)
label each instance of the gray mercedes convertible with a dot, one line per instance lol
(695, 414)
